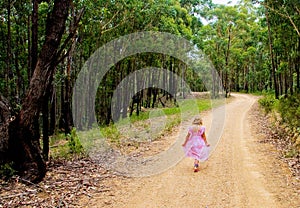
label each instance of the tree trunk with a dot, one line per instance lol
(272, 56)
(298, 69)
(227, 84)
(45, 112)
(8, 73)
(68, 95)
(62, 101)
(18, 73)
(5, 118)
(155, 92)
(24, 138)
(52, 111)
(29, 49)
(34, 37)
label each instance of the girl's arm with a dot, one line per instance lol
(205, 140)
(186, 139)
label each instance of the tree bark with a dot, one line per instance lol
(45, 112)
(29, 49)
(298, 69)
(227, 52)
(5, 119)
(52, 124)
(24, 143)
(272, 55)
(8, 74)
(34, 37)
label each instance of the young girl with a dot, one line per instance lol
(195, 144)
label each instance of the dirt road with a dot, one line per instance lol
(241, 172)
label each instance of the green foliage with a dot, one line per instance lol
(267, 102)
(114, 134)
(289, 109)
(291, 153)
(66, 146)
(173, 122)
(7, 171)
(111, 132)
(235, 39)
(142, 116)
(74, 143)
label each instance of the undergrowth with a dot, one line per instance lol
(66, 146)
(7, 171)
(173, 117)
(285, 112)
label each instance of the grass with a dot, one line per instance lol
(173, 117)
(136, 129)
(66, 146)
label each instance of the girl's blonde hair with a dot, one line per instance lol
(197, 121)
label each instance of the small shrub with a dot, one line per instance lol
(7, 171)
(291, 153)
(289, 109)
(267, 102)
(66, 146)
(112, 134)
(74, 143)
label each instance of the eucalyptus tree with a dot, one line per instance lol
(23, 129)
(233, 39)
(282, 18)
(105, 21)
(218, 36)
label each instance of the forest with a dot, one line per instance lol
(254, 47)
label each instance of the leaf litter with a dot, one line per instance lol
(273, 132)
(64, 183)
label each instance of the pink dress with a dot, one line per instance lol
(195, 146)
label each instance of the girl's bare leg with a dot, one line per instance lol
(196, 166)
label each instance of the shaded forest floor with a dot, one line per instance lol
(82, 182)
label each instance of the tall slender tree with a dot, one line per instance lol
(24, 131)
